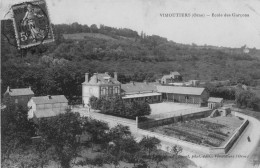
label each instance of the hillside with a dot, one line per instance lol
(58, 68)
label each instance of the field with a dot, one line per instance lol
(212, 132)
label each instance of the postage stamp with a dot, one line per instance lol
(32, 24)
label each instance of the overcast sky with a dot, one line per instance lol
(144, 15)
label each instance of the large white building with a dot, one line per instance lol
(100, 85)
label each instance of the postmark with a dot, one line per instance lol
(32, 24)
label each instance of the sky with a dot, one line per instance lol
(144, 15)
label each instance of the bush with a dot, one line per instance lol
(117, 107)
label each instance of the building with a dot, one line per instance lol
(191, 95)
(140, 91)
(171, 78)
(19, 96)
(47, 106)
(100, 85)
(215, 102)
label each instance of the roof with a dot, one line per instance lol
(180, 90)
(48, 100)
(141, 95)
(171, 75)
(102, 78)
(139, 87)
(47, 113)
(19, 91)
(215, 99)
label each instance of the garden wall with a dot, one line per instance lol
(224, 149)
(113, 120)
(174, 119)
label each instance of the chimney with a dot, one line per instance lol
(133, 82)
(30, 88)
(95, 75)
(115, 75)
(8, 89)
(86, 77)
(49, 96)
(145, 81)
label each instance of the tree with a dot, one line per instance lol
(16, 130)
(158, 157)
(61, 133)
(176, 150)
(150, 144)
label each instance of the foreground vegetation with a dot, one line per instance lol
(67, 139)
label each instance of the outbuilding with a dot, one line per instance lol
(215, 102)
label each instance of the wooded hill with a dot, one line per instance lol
(59, 67)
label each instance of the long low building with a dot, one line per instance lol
(191, 95)
(140, 91)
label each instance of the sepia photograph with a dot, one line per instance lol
(130, 83)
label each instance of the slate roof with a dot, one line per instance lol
(20, 92)
(102, 78)
(215, 99)
(47, 100)
(139, 87)
(180, 90)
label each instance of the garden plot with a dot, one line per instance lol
(212, 132)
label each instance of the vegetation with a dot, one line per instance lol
(58, 142)
(59, 67)
(116, 106)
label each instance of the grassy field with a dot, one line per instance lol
(211, 132)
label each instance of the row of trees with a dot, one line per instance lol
(61, 142)
(116, 106)
(78, 28)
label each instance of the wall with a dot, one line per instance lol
(224, 149)
(88, 91)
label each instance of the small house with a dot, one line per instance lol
(47, 106)
(19, 96)
(215, 102)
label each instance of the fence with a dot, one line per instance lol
(195, 114)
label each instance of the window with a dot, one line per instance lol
(110, 91)
(16, 100)
(116, 90)
(103, 91)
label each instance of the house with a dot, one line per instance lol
(190, 95)
(100, 85)
(19, 96)
(46, 106)
(140, 91)
(215, 102)
(171, 78)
